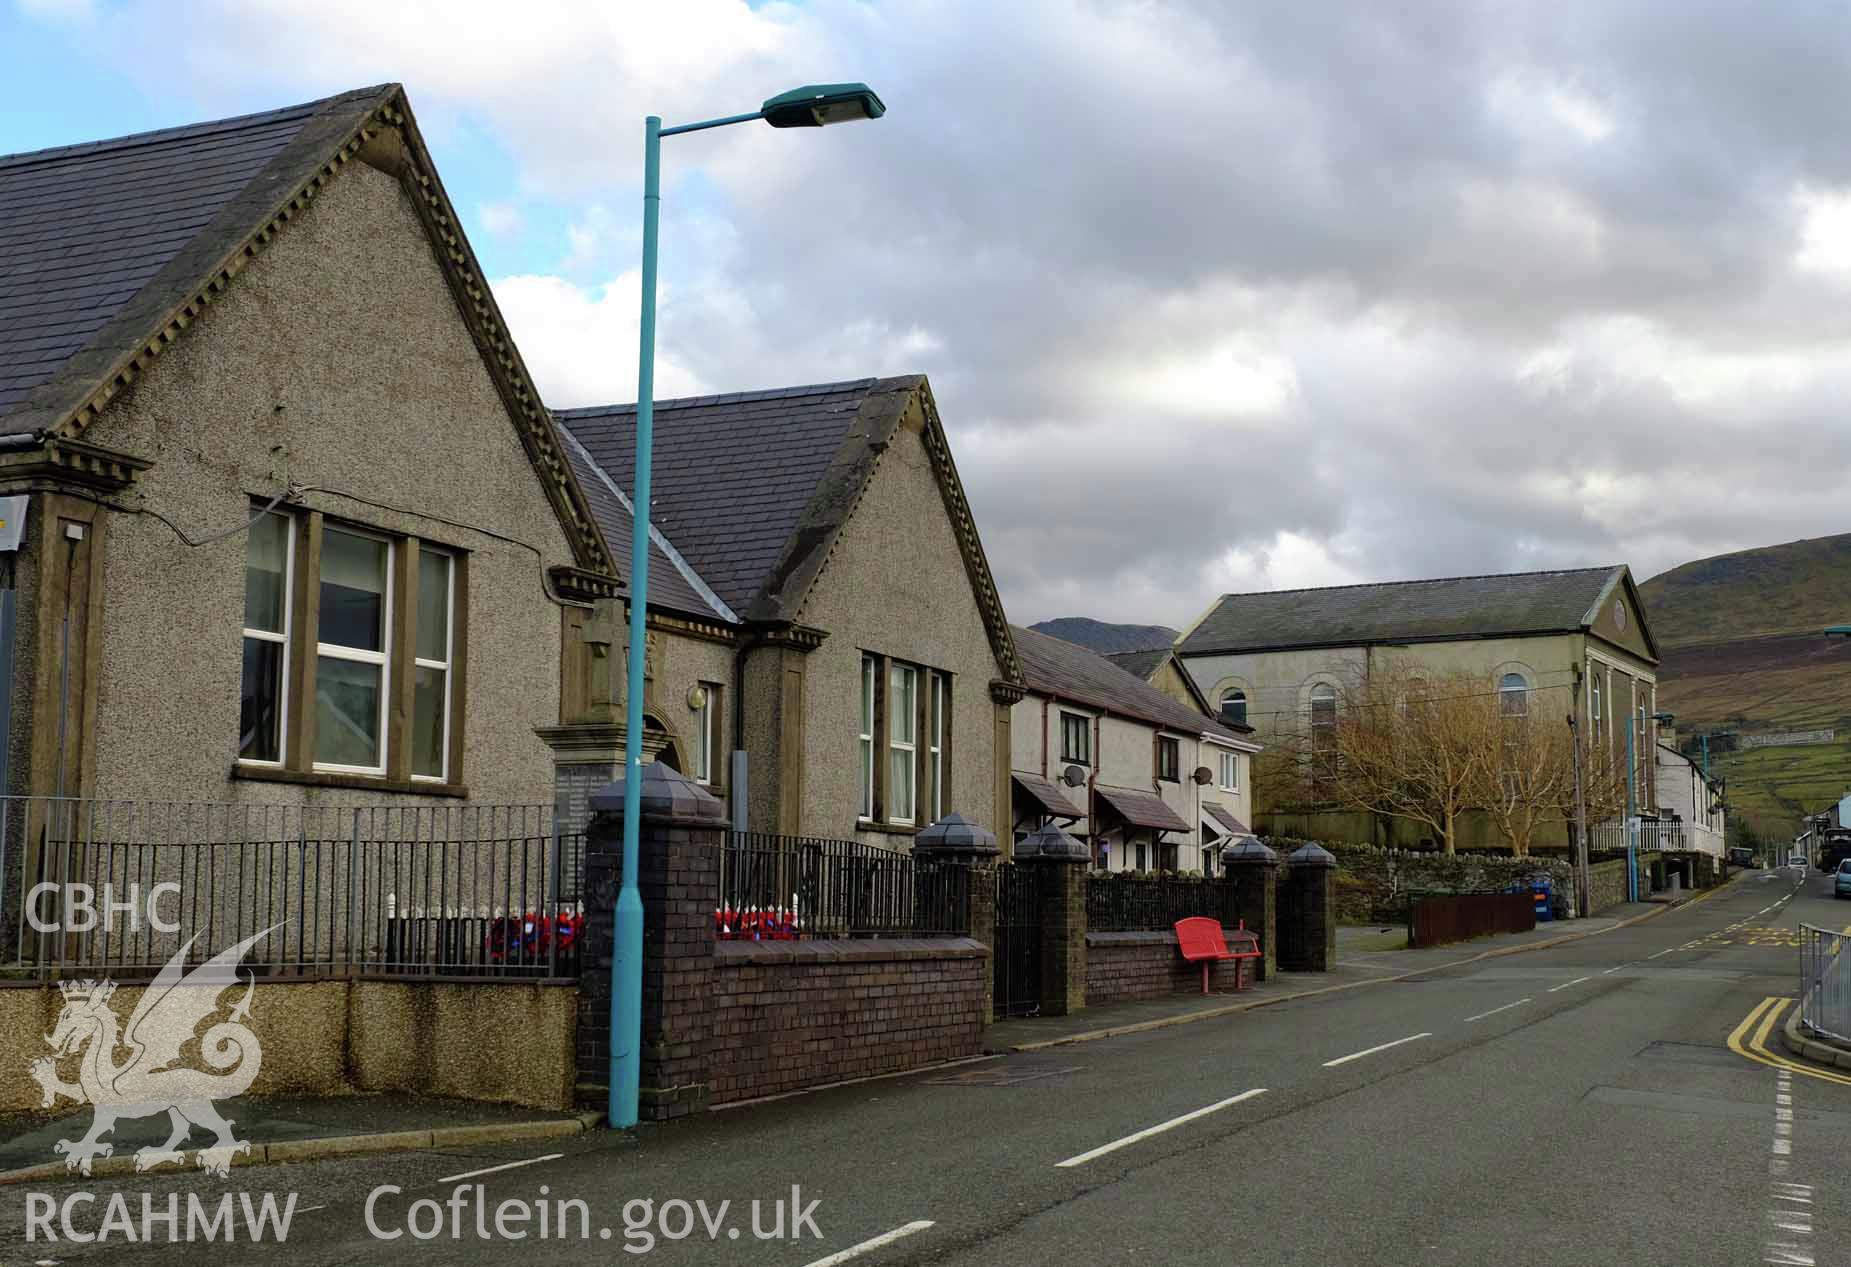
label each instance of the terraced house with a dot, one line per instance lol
(299, 531)
(1578, 639)
(1151, 783)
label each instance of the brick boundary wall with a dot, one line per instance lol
(789, 1015)
(1147, 965)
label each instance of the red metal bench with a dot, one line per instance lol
(1201, 941)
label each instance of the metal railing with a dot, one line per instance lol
(1665, 836)
(1121, 904)
(784, 887)
(1825, 982)
(119, 888)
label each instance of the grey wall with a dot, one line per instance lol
(336, 359)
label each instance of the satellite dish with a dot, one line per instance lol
(1073, 775)
(1203, 775)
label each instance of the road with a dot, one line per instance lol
(1574, 1105)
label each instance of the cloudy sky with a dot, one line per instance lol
(1213, 296)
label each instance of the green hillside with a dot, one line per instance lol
(1743, 653)
(1796, 588)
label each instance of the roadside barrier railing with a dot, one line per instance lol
(785, 888)
(1825, 982)
(117, 887)
(1126, 903)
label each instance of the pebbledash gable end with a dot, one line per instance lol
(896, 584)
(336, 362)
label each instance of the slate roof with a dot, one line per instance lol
(1401, 611)
(1046, 793)
(1225, 820)
(1068, 671)
(95, 238)
(1141, 808)
(731, 474)
(1140, 663)
(670, 586)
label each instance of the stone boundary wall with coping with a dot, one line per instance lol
(1373, 884)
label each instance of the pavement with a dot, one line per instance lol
(1605, 1099)
(291, 1129)
(1366, 954)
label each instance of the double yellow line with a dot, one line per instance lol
(1761, 1022)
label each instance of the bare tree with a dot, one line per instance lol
(1412, 747)
(1603, 772)
(1531, 779)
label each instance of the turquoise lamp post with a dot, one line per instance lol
(809, 107)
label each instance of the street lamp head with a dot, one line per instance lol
(1838, 631)
(1664, 719)
(814, 105)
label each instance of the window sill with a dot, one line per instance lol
(888, 829)
(362, 782)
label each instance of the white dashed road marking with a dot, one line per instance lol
(1577, 981)
(1494, 1011)
(873, 1242)
(1789, 1215)
(1370, 1051)
(491, 1170)
(1147, 1132)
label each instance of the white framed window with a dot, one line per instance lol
(1594, 705)
(352, 659)
(1513, 695)
(867, 736)
(1230, 772)
(935, 740)
(1323, 716)
(263, 704)
(902, 741)
(1169, 759)
(1234, 706)
(430, 690)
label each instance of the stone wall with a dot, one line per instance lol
(789, 1015)
(1373, 884)
(503, 1042)
(1607, 885)
(1147, 965)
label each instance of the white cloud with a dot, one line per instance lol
(501, 219)
(581, 343)
(1825, 232)
(1213, 296)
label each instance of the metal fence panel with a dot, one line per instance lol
(1123, 903)
(783, 887)
(473, 890)
(1653, 837)
(1825, 982)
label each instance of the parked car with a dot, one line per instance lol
(1841, 882)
